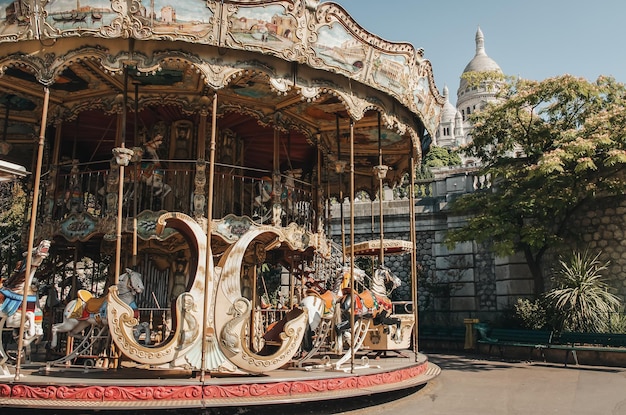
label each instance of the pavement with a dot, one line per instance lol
(472, 385)
(476, 385)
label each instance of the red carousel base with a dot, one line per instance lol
(147, 389)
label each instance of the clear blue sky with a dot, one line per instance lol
(533, 39)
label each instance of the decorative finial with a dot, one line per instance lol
(480, 42)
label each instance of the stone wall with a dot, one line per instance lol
(602, 227)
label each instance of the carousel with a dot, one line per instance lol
(184, 160)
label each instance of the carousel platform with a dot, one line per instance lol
(134, 388)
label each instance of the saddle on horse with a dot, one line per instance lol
(87, 305)
(12, 301)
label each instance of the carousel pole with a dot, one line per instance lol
(118, 226)
(339, 168)
(381, 254)
(136, 175)
(122, 162)
(31, 233)
(209, 252)
(413, 254)
(352, 338)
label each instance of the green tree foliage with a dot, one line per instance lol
(12, 206)
(548, 147)
(441, 157)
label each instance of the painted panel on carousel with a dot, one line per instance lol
(263, 27)
(188, 20)
(78, 226)
(16, 21)
(232, 227)
(74, 15)
(391, 72)
(147, 225)
(338, 48)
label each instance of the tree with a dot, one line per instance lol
(549, 147)
(12, 206)
(441, 157)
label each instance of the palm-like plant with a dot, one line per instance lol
(581, 299)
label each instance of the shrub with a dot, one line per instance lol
(530, 314)
(581, 299)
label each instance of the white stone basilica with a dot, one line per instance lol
(455, 129)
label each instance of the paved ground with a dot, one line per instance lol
(474, 386)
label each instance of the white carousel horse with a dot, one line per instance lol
(371, 305)
(12, 294)
(86, 311)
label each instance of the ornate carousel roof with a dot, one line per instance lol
(299, 69)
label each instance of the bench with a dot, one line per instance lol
(542, 340)
(442, 336)
(502, 338)
(571, 342)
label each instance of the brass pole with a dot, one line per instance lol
(31, 233)
(276, 179)
(208, 280)
(136, 181)
(352, 322)
(118, 236)
(413, 254)
(340, 172)
(381, 254)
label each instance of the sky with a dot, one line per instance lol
(533, 39)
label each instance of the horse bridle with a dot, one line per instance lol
(130, 288)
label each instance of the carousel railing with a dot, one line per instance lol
(84, 188)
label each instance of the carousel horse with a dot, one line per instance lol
(151, 173)
(86, 310)
(12, 294)
(371, 303)
(325, 300)
(262, 207)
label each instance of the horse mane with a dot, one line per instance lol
(19, 276)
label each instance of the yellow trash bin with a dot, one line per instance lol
(469, 332)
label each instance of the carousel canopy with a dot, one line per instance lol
(390, 247)
(11, 171)
(295, 75)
